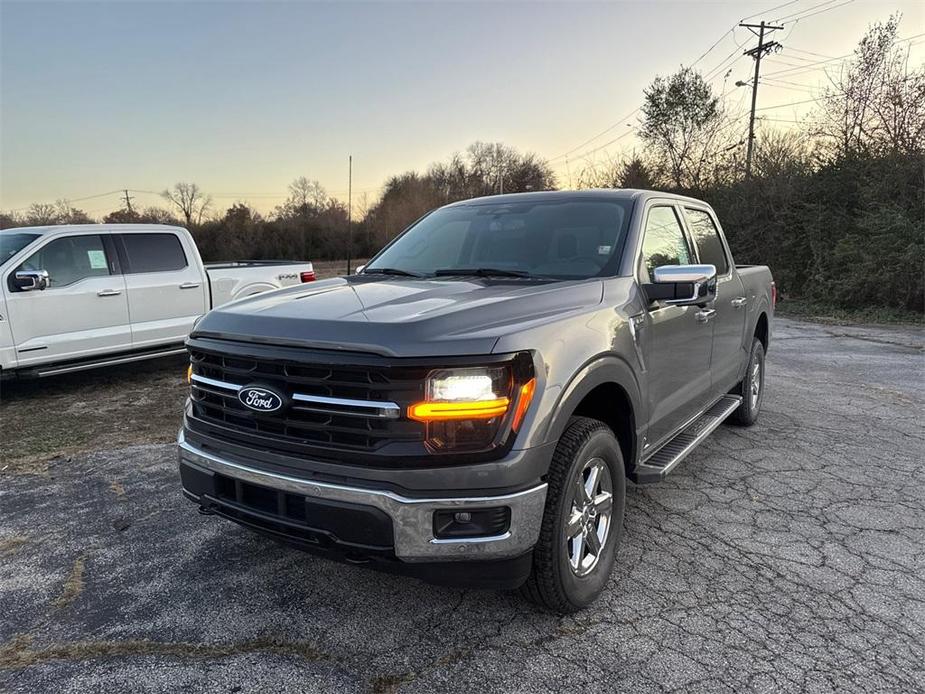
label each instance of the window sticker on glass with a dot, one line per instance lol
(97, 259)
(604, 250)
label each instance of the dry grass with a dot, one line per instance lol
(74, 584)
(10, 545)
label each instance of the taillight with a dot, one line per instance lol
(307, 276)
(773, 294)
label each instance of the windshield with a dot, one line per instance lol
(12, 243)
(548, 239)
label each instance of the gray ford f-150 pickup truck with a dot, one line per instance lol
(469, 406)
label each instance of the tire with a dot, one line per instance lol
(747, 412)
(556, 582)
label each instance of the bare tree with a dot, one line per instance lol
(683, 126)
(618, 172)
(41, 214)
(189, 200)
(875, 103)
(305, 194)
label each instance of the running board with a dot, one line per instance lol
(659, 464)
(55, 370)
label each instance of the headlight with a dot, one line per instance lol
(480, 393)
(466, 409)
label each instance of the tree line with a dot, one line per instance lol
(835, 205)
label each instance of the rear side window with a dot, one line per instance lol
(153, 252)
(69, 259)
(664, 242)
(706, 236)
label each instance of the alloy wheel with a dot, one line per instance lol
(588, 525)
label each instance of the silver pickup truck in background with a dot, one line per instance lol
(75, 297)
(469, 407)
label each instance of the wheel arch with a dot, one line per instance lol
(762, 330)
(604, 389)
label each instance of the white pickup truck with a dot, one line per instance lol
(75, 297)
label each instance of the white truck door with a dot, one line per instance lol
(7, 349)
(82, 313)
(166, 288)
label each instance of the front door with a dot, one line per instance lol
(676, 344)
(82, 313)
(729, 353)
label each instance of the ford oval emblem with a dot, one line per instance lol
(260, 399)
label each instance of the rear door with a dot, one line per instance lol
(676, 345)
(165, 287)
(82, 313)
(729, 320)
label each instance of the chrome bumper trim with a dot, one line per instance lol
(412, 517)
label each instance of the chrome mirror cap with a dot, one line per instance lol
(359, 269)
(702, 278)
(27, 280)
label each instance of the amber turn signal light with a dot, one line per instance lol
(523, 402)
(441, 411)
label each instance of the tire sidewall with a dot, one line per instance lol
(756, 355)
(582, 590)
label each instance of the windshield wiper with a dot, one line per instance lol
(391, 271)
(481, 272)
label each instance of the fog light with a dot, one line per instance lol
(474, 523)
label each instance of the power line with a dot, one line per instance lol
(806, 11)
(68, 200)
(827, 9)
(773, 9)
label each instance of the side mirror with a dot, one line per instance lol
(683, 285)
(27, 280)
(359, 270)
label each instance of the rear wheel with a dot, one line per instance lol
(583, 521)
(751, 388)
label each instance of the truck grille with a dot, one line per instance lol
(334, 408)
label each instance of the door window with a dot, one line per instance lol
(153, 252)
(70, 259)
(664, 242)
(706, 237)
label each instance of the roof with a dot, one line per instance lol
(99, 228)
(565, 195)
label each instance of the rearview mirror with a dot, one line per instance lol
(359, 270)
(683, 285)
(27, 280)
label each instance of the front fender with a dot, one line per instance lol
(600, 370)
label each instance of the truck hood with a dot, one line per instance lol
(398, 316)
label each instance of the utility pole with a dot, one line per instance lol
(128, 200)
(349, 210)
(756, 53)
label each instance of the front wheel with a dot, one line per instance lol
(583, 522)
(751, 388)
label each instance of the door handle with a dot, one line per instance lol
(109, 292)
(189, 285)
(705, 314)
(739, 301)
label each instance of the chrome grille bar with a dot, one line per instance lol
(388, 410)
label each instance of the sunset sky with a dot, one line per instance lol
(242, 97)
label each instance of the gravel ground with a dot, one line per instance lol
(784, 557)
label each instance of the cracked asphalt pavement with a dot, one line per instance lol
(784, 557)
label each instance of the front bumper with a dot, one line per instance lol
(411, 518)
